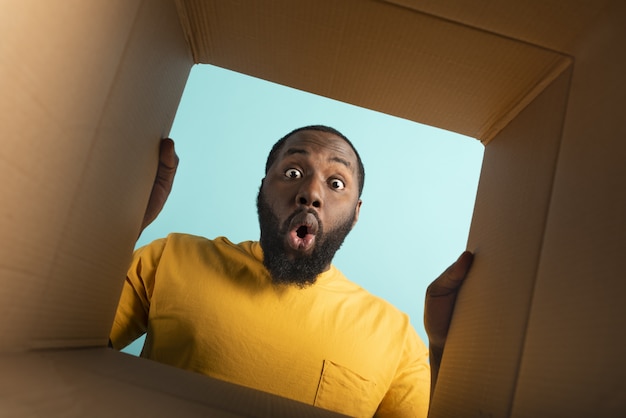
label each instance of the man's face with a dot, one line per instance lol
(307, 204)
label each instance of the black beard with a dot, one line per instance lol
(301, 270)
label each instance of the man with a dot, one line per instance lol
(275, 315)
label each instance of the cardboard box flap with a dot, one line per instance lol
(481, 359)
(102, 382)
(84, 108)
(378, 56)
(551, 24)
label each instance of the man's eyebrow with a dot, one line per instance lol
(341, 161)
(292, 151)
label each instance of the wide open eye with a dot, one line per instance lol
(293, 173)
(337, 184)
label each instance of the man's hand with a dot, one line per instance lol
(168, 162)
(438, 309)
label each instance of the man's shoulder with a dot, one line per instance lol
(181, 238)
(188, 244)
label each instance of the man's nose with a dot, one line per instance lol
(310, 193)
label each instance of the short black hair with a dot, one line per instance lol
(271, 158)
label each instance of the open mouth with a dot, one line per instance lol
(302, 231)
(303, 227)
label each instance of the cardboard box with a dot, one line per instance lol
(89, 88)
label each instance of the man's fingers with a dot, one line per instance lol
(451, 279)
(168, 163)
(167, 154)
(441, 298)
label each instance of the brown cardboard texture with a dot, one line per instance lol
(376, 55)
(89, 88)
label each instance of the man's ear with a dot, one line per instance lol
(357, 210)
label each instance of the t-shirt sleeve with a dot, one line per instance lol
(131, 318)
(409, 393)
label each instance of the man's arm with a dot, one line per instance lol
(438, 309)
(162, 186)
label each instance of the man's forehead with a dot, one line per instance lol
(311, 141)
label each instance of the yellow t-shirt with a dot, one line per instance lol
(209, 306)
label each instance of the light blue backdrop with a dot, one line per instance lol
(419, 191)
